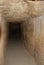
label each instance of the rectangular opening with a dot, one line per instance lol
(15, 52)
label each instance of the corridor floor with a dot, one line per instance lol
(16, 54)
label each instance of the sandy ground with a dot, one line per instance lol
(16, 54)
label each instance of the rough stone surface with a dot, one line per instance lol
(34, 38)
(32, 15)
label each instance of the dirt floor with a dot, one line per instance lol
(16, 53)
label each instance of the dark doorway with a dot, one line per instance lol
(16, 53)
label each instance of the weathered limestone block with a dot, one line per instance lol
(33, 31)
(32, 15)
(3, 39)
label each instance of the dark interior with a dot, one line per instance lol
(14, 31)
